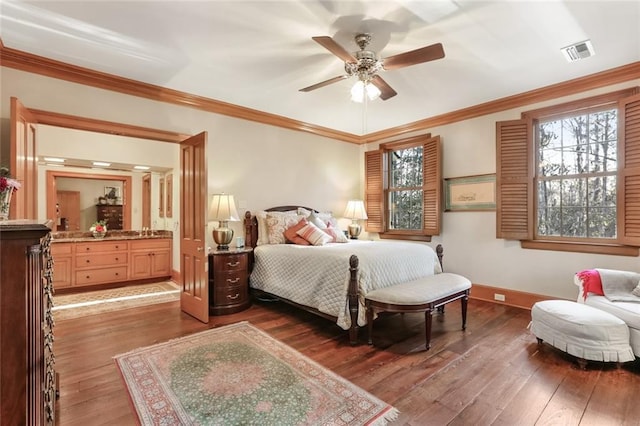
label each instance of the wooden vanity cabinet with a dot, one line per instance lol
(101, 262)
(63, 267)
(150, 258)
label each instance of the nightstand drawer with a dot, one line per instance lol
(230, 295)
(232, 262)
(228, 279)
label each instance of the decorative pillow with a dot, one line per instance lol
(325, 217)
(336, 234)
(590, 280)
(263, 234)
(316, 220)
(277, 223)
(636, 291)
(291, 233)
(314, 235)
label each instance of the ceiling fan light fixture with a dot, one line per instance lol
(362, 88)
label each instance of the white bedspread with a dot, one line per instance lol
(319, 276)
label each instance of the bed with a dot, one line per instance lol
(331, 280)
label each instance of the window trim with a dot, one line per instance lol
(518, 224)
(377, 197)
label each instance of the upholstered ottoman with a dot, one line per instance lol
(582, 331)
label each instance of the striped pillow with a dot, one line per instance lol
(314, 235)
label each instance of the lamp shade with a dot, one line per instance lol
(355, 210)
(223, 208)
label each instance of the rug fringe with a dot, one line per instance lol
(390, 415)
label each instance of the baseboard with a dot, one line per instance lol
(518, 299)
(175, 276)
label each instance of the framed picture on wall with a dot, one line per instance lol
(112, 192)
(470, 193)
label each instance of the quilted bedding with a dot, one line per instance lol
(318, 276)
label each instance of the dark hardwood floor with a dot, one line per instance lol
(493, 374)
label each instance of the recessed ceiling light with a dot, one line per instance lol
(54, 164)
(141, 167)
(101, 164)
(54, 159)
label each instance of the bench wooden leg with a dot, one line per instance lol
(370, 323)
(464, 302)
(427, 326)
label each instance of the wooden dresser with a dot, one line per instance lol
(27, 376)
(111, 214)
(229, 281)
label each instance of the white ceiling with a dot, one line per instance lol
(258, 54)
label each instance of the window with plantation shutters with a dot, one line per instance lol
(568, 176)
(403, 188)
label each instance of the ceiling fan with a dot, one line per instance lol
(365, 64)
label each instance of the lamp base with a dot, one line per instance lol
(222, 237)
(354, 230)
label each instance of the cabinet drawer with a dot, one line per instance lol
(232, 262)
(230, 295)
(151, 244)
(62, 248)
(106, 259)
(102, 246)
(229, 279)
(102, 275)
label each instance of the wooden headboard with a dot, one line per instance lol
(251, 223)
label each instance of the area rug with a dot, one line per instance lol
(69, 306)
(239, 375)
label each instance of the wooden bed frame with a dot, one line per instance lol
(251, 238)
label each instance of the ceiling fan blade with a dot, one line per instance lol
(386, 91)
(324, 83)
(333, 47)
(413, 57)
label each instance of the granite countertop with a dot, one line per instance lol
(77, 236)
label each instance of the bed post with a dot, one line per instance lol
(439, 251)
(352, 297)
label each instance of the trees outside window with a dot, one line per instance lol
(577, 175)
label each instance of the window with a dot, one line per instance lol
(405, 198)
(576, 175)
(566, 176)
(403, 189)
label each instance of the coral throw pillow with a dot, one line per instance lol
(591, 283)
(291, 234)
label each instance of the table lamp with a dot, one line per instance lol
(223, 210)
(355, 211)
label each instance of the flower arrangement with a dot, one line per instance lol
(99, 226)
(7, 186)
(6, 181)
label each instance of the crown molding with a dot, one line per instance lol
(23, 61)
(27, 62)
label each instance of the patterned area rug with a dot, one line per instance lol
(239, 375)
(68, 306)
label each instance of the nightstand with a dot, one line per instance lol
(229, 281)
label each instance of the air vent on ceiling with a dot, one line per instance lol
(577, 51)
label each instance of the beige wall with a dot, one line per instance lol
(264, 166)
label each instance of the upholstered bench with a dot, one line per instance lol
(422, 295)
(582, 331)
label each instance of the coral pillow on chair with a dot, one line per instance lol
(590, 280)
